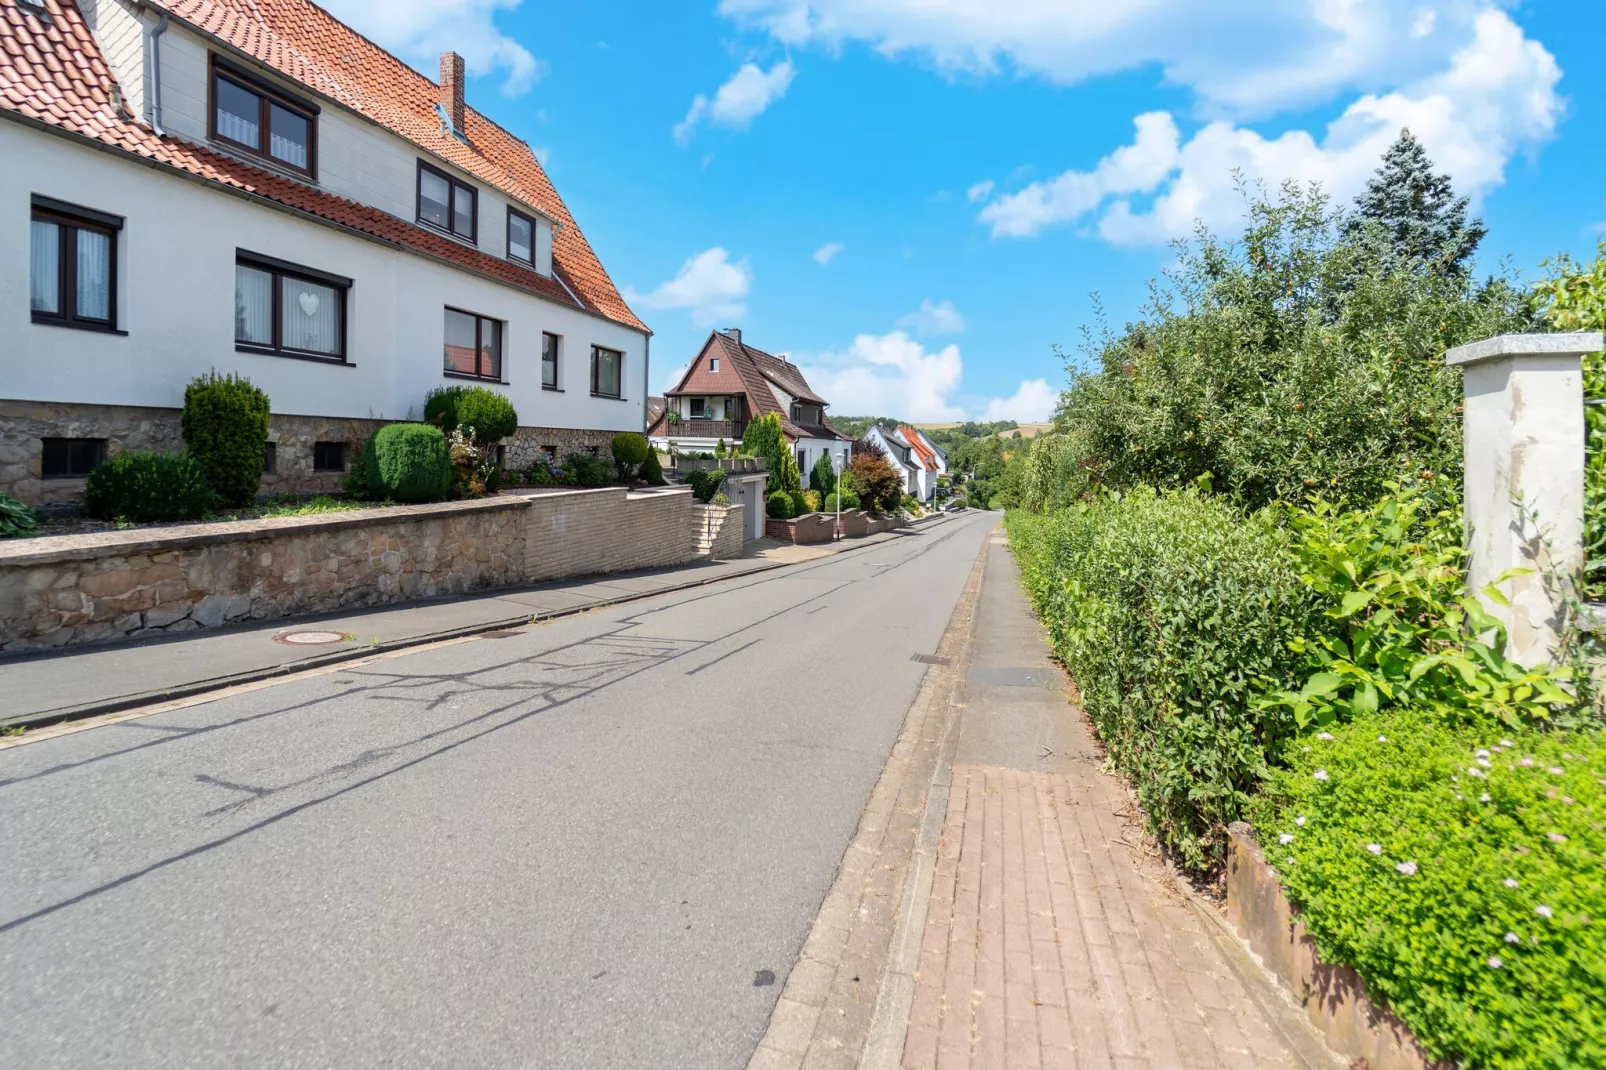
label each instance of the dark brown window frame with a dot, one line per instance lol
(480, 319)
(557, 361)
(455, 184)
(267, 93)
(69, 219)
(512, 214)
(278, 269)
(595, 364)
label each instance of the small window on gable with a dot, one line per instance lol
(520, 237)
(713, 364)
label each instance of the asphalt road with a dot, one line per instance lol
(597, 842)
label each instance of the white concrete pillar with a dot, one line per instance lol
(1524, 494)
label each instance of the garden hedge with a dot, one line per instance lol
(778, 506)
(148, 488)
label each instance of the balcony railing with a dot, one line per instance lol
(729, 430)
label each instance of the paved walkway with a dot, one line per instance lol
(1053, 936)
(88, 681)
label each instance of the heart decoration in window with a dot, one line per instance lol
(308, 302)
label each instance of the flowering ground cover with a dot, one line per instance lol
(1462, 872)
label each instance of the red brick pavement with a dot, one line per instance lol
(1054, 940)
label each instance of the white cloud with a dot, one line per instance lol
(943, 318)
(1496, 97)
(1238, 56)
(1033, 403)
(893, 374)
(827, 252)
(742, 98)
(979, 191)
(420, 30)
(708, 285)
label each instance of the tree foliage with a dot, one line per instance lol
(1417, 212)
(764, 438)
(822, 477)
(877, 484)
(1291, 361)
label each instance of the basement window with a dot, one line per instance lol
(71, 458)
(328, 456)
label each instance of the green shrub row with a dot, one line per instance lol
(704, 485)
(778, 506)
(148, 488)
(1462, 871)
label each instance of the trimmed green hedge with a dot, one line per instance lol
(148, 488)
(849, 501)
(581, 470)
(408, 463)
(704, 485)
(629, 453)
(778, 506)
(652, 470)
(225, 429)
(489, 413)
(1462, 872)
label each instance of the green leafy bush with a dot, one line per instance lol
(16, 519)
(1172, 612)
(764, 438)
(778, 506)
(811, 501)
(849, 501)
(355, 482)
(583, 470)
(652, 470)
(875, 481)
(490, 414)
(786, 476)
(720, 449)
(629, 452)
(704, 485)
(408, 463)
(539, 475)
(800, 503)
(225, 426)
(1459, 870)
(440, 407)
(721, 498)
(148, 488)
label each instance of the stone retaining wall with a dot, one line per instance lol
(805, 530)
(74, 589)
(719, 530)
(1333, 996)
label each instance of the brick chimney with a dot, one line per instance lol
(452, 88)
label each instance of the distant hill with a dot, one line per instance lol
(1026, 430)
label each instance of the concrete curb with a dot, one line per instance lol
(122, 703)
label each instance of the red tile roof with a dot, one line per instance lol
(52, 73)
(927, 458)
(748, 370)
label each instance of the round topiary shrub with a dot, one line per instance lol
(848, 502)
(409, 463)
(440, 407)
(225, 426)
(148, 488)
(629, 451)
(779, 506)
(489, 413)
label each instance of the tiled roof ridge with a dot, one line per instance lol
(81, 107)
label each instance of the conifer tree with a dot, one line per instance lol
(1418, 210)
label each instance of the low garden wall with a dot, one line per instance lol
(719, 530)
(807, 529)
(76, 589)
(860, 522)
(1333, 996)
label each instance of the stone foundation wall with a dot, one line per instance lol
(24, 423)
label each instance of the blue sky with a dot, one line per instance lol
(915, 199)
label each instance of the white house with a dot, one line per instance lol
(250, 186)
(914, 455)
(728, 385)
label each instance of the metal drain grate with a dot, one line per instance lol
(932, 659)
(312, 638)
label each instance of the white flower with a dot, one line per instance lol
(1556, 770)
(1526, 762)
(1481, 753)
(1299, 821)
(1320, 774)
(1324, 735)
(1494, 962)
(1509, 883)
(1382, 739)
(1486, 763)
(1375, 848)
(1543, 911)
(1407, 868)
(1305, 749)
(1507, 743)
(1556, 837)
(1513, 938)
(1484, 797)
(1286, 838)
(1474, 771)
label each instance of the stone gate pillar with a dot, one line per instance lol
(1524, 494)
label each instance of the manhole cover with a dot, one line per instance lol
(316, 638)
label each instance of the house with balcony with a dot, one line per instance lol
(253, 187)
(731, 383)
